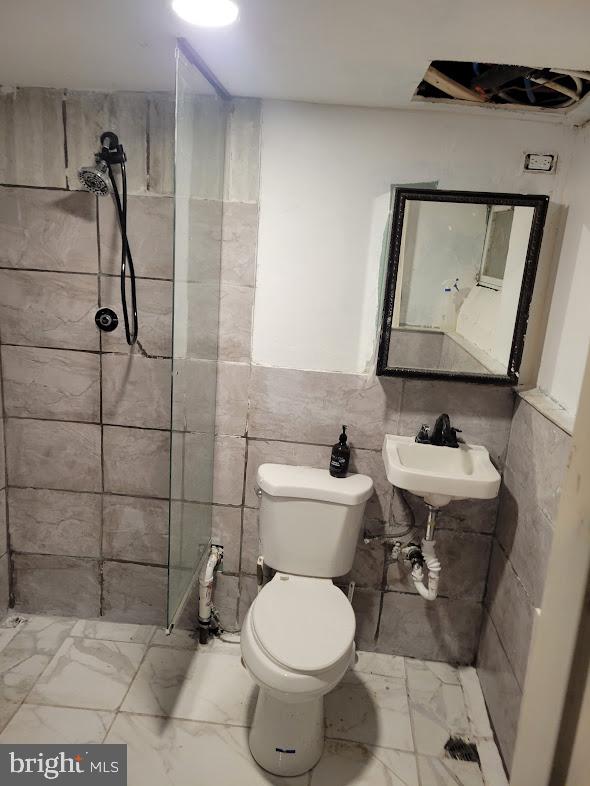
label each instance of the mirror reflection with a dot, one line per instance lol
(457, 269)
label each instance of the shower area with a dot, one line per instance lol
(110, 348)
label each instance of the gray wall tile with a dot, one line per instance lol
(4, 582)
(59, 309)
(195, 412)
(196, 479)
(53, 455)
(150, 228)
(538, 455)
(366, 605)
(235, 322)
(135, 529)
(446, 630)
(200, 260)
(250, 541)
(89, 114)
(51, 383)
(226, 530)
(247, 595)
(525, 534)
(242, 172)
(197, 338)
(226, 600)
(3, 523)
(55, 522)
(367, 568)
(48, 230)
(161, 121)
(192, 469)
(134, 593)
(56, 585)
(230, 457)
(136, 461)
(310, 406)
(2, 446)
(483, 413)
(154, 306)
(136, 391)
(231, 408)
(500, 688)
(511, 611)
(32, 137)
(240, 237)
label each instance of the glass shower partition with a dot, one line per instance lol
(198, 203)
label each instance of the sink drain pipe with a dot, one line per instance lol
(428, 560)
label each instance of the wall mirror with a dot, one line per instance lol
(461, 271)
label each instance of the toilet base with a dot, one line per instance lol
(287, 738)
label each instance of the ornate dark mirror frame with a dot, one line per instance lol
(402, 195)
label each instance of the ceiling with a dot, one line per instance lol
(354, 52)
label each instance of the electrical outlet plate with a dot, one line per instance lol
(544, 163)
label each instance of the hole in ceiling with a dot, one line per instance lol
(541, 89)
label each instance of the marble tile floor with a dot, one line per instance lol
(184, 710)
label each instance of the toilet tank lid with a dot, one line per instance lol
(280, 480)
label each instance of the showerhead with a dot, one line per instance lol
(96, 178)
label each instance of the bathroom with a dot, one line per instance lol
(310, 212)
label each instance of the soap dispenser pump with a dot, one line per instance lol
(340, 456)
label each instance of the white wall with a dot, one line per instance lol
(568, 332)
(324, 171)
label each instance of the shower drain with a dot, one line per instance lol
(462, 750)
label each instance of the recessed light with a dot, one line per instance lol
(207, 13)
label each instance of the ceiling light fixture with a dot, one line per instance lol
(207, 13)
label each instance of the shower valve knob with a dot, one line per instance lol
(106, 319)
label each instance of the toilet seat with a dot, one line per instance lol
(304, 624)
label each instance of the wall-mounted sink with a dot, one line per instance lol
(440, 474)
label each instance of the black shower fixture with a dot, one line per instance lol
(100, 179)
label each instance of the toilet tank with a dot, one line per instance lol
(309, 521)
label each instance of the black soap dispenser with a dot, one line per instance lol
(340, 457)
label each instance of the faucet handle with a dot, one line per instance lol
(423, 436)
(452, 440)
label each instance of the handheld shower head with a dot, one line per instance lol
(96, 178)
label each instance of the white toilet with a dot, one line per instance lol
(298, 636)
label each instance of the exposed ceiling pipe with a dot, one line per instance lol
(570, 72)
(566, 91)
(452, 88)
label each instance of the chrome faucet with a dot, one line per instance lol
(443, 434)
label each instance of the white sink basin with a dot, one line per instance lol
(438, 474)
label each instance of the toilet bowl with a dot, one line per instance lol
(298, 635)
(297, 644)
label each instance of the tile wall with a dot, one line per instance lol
(538, 452)
(87, 421)
(4, 556)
